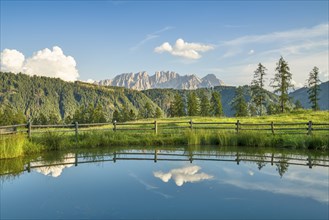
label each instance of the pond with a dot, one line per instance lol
(167, 183)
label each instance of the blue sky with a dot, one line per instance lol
(100, 39)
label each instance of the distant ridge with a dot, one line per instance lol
(161, 79)
(302, 95)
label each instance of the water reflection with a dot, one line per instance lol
(297, 182)
(183, 175)
(202, 183)
(53, 169)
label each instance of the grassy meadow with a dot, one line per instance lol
(19, 145)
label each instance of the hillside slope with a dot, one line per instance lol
(302, 95)
(35, 95)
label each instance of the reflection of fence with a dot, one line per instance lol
(165, 126)
(157, 155)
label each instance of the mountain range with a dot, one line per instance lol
(161, 80)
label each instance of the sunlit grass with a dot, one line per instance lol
(19, 145)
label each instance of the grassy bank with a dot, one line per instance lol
(19, 145)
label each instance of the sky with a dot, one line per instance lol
(83, 40)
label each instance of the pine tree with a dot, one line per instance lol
(98, 115)
(124, 114)
(158, 113)
(132, 115)
(204, 105)
(257, 87)
(216, 104)
(192, 104)
(177, 106)
(239, 104)
(147, 111)
(115, 116)
(282, 82)
(9, 117)
(314, 88)
(298, 105)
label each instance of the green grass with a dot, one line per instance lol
(19, 145)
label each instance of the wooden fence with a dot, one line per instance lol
(159, 127)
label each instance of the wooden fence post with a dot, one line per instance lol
(309, 129)
(76, 125)
(191, 124)
(155, 156)
(237, 126)
(309, 160)
(29, 167)
(272, 127)
(237, 158)
(115, 125)
(29, 126)
(155, 127)
(76, 159)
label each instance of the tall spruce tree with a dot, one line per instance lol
(314, 88)
(115, 116)
(158, 113)
(282, 82)
(216, 104)
(177, 106)
(192, 104)
(239, 104)
(204, 105)
(257, 87)
(147, 111)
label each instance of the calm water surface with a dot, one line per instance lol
(176, 183)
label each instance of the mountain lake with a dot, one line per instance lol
(167, 183)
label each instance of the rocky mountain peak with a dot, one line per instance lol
(161, 79)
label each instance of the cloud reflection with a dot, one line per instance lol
(54, 171)
(183, 175)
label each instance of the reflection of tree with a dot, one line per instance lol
(282, 166)
(261, 164)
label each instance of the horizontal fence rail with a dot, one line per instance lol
(163, 127)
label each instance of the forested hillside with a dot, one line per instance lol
(51, 100)
(52, 97)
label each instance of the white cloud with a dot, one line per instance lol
(184, 49)
(12, 61)
(183, 175)
(46, 62)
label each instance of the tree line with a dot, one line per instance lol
(281, 83)
(195, 105)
